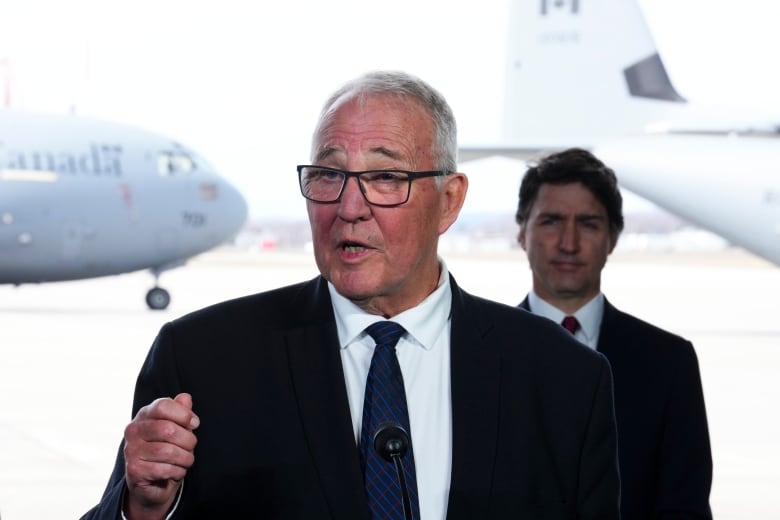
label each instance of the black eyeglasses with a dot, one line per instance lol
(379, 187)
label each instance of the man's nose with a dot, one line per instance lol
(352, 204)
(569, 239)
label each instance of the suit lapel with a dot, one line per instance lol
(475, 371)
(318, 378)
(610, 330)
(525, 304)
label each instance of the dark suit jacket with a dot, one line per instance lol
(533, 423)
(663, 440)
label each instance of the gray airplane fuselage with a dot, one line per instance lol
(82, 198)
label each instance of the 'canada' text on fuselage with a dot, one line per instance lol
(98, 159)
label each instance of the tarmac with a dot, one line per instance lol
(70, 353)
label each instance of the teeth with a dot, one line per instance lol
(354, 249)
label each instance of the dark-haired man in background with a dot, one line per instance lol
(570, 216)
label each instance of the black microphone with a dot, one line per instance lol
(391, 442)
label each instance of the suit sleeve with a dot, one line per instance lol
(686, 468)
(599, 489)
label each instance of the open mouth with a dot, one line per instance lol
(353, 247)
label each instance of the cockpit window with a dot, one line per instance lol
(176, 162)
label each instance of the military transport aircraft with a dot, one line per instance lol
(82, 198)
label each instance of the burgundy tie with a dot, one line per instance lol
(571, 324)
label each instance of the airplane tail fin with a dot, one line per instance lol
(579, 71)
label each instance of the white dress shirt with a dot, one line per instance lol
(424, 357)
(589, 316)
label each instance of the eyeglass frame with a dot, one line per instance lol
(348, 174)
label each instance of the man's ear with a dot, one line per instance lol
(453, 194)
(521, 236)
(613, 240)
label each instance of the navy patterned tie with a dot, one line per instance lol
(385, 401)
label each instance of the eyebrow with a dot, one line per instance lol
(391, 154)
(580, 217)
(326, 152)
(378, 150)
(590, 216)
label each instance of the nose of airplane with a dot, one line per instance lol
(233, 209)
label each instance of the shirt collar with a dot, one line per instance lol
(589, 315)
(423, 322)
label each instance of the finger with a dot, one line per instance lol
(140, 473)
(169, 409)
(151, 465)
(157, 460)
(142, 430)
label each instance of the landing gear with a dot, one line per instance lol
(158, 298)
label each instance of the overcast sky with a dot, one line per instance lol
(243, 81)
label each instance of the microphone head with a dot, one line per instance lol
(391, 440)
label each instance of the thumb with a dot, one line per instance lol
(184, 399)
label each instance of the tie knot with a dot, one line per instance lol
(571, 324)
(386, 332)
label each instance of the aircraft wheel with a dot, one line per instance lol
(158, 298)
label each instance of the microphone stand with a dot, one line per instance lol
(392, 443)
(402, 480)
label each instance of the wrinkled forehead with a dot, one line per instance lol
(381, 107)
(362, 99)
